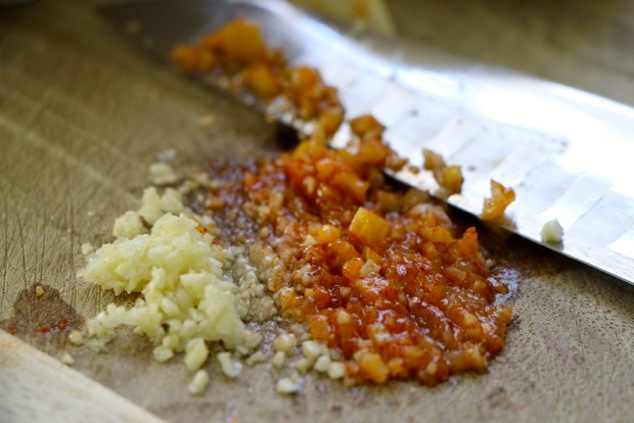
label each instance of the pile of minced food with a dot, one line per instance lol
(187, 297)
(377, 278)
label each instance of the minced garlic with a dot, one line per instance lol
(284, 342)
(312, 350)
(230, 367)
(322, 364)
(87, 248)
(155, 205)
(129, 225)
(162, 174)
(68, 359)
(278, 359)
(186, 298)
(336, 370)
(287, 385)
(256, 358)
(196, 353)
(75, 337)
(180, 276)
(199, 383)
(552, 232)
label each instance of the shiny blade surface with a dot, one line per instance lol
(566, 153)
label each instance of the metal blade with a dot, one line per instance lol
(565, 152)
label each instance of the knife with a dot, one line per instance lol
(566, 153)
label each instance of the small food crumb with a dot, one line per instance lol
(322, 364)
(311, 349)
(336, 370)
(199, 383)
(501, 198)
(287, 386)
(304, 364)
(449, 178)
(278, 359)
(162, 353)
(162, 174)
(230, 367)
(284, 342)
(39, 291)
(87, 248)
(166, 156)
(552, 232)
(68, 359)
(196, 353)
(76, 338)
(255, 358)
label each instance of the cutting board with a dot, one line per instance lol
(82, 116)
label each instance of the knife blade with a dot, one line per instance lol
(565, 152)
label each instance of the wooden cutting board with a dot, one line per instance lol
(82, 116)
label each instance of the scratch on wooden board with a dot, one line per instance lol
(577, 332)
(39, 258)
(23, 253)
(61, 154)
(5, 267)
(71, 279)
(13, 252)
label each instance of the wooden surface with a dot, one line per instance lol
(69, 395)
(82, 116)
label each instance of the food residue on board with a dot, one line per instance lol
(67, 359)
(365, 279)
(40, 313)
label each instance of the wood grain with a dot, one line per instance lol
(82, 116)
